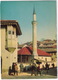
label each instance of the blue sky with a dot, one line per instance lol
(22, 11)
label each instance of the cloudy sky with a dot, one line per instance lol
(22, 11)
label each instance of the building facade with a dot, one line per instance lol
(25, 56)
(10, 30)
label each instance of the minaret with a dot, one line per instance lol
(34, 35)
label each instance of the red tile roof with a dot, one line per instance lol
(25, 51)
(28, 51)
(42, 53)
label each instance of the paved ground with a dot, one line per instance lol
(24, 75)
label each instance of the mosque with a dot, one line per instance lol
(27, 54)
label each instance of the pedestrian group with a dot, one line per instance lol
(13, 70)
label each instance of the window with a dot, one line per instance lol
(9, 32)
(7, 57)
(45, 59)
(12, 32)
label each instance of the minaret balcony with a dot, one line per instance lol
(34, 22)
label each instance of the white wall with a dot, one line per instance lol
(7, 57)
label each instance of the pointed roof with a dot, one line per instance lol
(34, 10)
(28, 51)
(25, 51)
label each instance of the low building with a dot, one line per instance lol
(49, 46)
(25, 55)
(10, 30)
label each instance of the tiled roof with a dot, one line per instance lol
(28, 51)
(25, 51)
(42, 53)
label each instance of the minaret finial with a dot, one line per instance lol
(34, 9)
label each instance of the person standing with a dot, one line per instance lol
(47, 67)
(10, 70)
(38, 70)
(13, 68)
(21, 67)
(16, 69)
(33, 69)
(53, 65)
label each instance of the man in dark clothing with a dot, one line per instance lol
(47, 67)
(13, 68)
(38, 70)
(53, 65)
(33, 70)
(10, 70)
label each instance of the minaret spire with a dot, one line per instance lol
(34, 10)
(34, 14)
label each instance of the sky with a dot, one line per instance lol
(22, 11)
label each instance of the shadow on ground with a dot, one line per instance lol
(51, 72)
